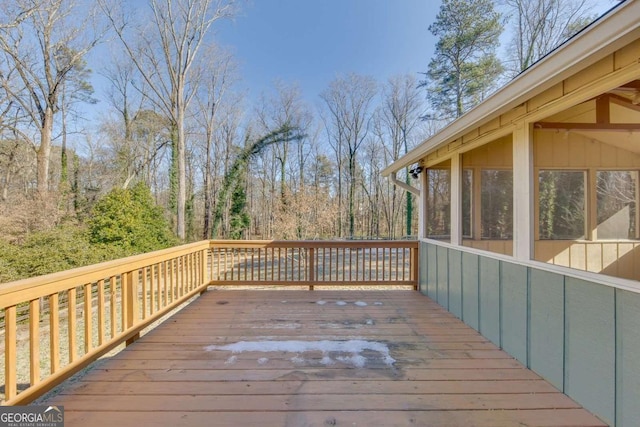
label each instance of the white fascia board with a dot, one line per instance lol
(611, 32)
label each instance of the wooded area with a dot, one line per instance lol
(170, 150)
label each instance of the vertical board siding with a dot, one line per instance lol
(590, 346)
(443, 277)
(455, 282)
(627, 358)
(490, 299)
(513, 310)
(425, 268)
(582, 337)
(546, 336)
(432, 272)
(470, 292)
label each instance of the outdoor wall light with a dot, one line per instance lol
(415, 171)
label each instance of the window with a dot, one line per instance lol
(467, 202)
(496, 201)
(616, 198)
(438, 203)
(561, 210)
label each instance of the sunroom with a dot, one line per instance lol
(529, 219)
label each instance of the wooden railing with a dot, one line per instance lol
(55, 325)
(315, 263)
(89, 311)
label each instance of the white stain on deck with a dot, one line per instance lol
(349, 352)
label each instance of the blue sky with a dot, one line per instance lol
(310, 42)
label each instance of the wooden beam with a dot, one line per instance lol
(624, 102)
(603, 114)
(586, 126)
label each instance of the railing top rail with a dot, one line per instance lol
(242, 244)
(92, 273)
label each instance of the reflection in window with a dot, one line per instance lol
(562, 204)
(439, 201)
(467, 191)
(497, 204)
(616, 198)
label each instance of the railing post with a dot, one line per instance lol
(11, 359)
(203, 267)
(131, 291)
(414, 265)
(312, 267)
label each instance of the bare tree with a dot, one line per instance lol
(164, 53)
(538, 26)
(211, 98)
(45, 43)
(401, 110)
(349, 102)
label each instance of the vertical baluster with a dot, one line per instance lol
(88, 318)
(350, 264)
(112, 300)
(279, 260)
(253, 265)
(144, 292)
(152, 290)
(34, 341)
(72, 320)
(101, 319)
(239, 263)
(124, 300)
(184, 274)
(397, 253)
(170, 281)
(324, 256)
(10, 355)
(54, 332)
(404, 260)
(165, 282)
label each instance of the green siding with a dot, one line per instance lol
(443, 277)
(590, 346)
(628, 358)
(490, 299)
(432, 273)
(424, 268)
(582, 337)
(546, 336)
(470, 306)
(455, 282)
(513, 306)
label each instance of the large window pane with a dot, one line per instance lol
(438, 203)
(616, 195)
(561, 210)
(497, 204)
(467, 191)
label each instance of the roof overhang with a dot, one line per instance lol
(615, 29)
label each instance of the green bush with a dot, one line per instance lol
(130, 221)
(45, 252)
(123, 223)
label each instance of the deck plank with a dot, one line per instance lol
(443, 373)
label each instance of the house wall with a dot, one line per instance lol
(612, 71)
(571, 151)
(578, 333)
(492, 145)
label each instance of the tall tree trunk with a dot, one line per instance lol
(44, 152)
(207, 191)
(352, 191)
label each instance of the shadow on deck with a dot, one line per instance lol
(299, 358)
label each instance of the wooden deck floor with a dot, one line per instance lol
(329, 367)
